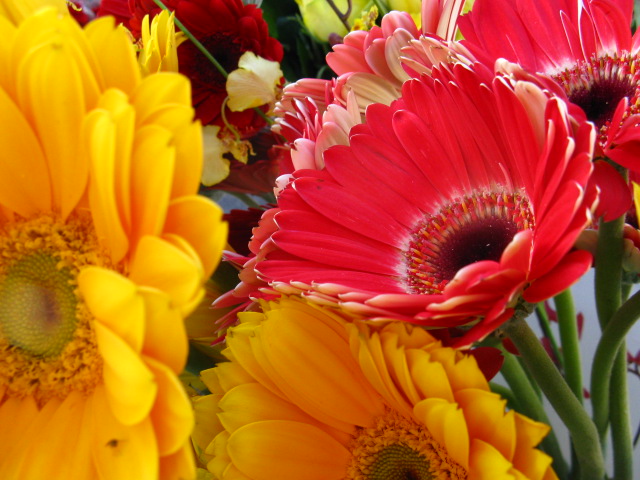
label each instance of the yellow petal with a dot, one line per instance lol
(488, 420)
(60, 438)
(121, 452)
(178, 465)
(116, 52)
(287, 451)
(24, 175)
(164, 322)
(447, 425)
(100, 134)
(7, 33)
(229, 375)
(199, 221)
(16, 415)
(18, 11)
(216, 167)
(295, 344)
(156, 91)
(122, 116)
(188, 143)
(370, 355)
(217, 449)
(486, 463)
(152, 166)
(130, 385)
(253, 83)
(172, 415)
(115, 302)
(636, 198)
(207, 424)
(29, 422)
(161, 265)
(251, 402)
(50, 76)
(248, 353)
(429, 377)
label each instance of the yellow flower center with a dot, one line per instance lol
(398, 448)
(47, 344)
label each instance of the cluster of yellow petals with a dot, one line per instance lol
(159, 44)
(85, 136)
(303, 384)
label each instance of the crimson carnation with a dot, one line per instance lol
(227, 29)
(453, 207)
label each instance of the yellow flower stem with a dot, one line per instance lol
(583, 431)
(529, 404)
(610, 358)
(231, 128)
(208, 55)
(569, 338)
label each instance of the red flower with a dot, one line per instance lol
(227, 29)
(584, 45)
(448, 208)
(116, 8)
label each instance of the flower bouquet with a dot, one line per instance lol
(319, 240)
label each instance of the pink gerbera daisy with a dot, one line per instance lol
(454, 206)
(584, 45)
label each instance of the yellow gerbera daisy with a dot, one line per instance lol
(104, 246)
(307, 395)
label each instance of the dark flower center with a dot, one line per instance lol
(472, 229)
(598, 86)
(224, 48)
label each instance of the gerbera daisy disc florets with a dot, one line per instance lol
(447, 208)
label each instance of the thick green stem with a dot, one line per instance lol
(620, 418)
(584, 434)
(608, 276)
(570, 342)
(608, 383)
(529, 404)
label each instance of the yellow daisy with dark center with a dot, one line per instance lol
(308, 394)
(104, 249)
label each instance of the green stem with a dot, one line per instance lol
(612, 338)
(570, 342)
(608, 275)
(195, 41)
(530, 404)
(545, 326)
(584, 434)
(620, 418)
